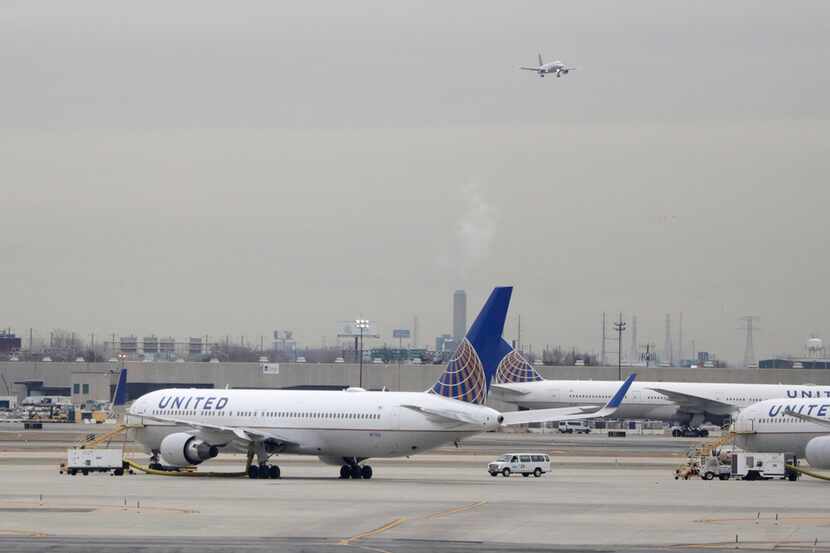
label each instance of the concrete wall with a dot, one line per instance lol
(392, 377)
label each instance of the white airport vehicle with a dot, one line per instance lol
(556, 67)
(711, 467)
(574, 427)
(339, 360)
(300, 359)
(525, 464)
(754, 465)
(84, 461)
(797, 426)
(688, 404)
(188, 426)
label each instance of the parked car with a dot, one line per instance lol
(525, 464)
(574, 427)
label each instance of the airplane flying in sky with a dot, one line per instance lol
(690, 403)
(188, 426)
(800, 426)
(556, 67)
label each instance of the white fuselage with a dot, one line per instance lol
(765, 426)
(641, 402)
(331, 424)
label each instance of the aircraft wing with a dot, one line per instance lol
(531, 68)
(239, 433)
(689, 403)
(444, 414)
(807, 418)
(569, 413)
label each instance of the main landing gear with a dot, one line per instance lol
(355, 472)
(263, 470)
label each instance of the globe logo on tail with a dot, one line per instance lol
(514, 368)
(464, 378)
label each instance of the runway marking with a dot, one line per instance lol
(26, 533)
(456, 510)
(394, 523)
(372, 533)
(816, 519)
(773, 545)
(46, 507)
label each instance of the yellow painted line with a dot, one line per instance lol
(27, 533)
(456, 510)
(372, 533)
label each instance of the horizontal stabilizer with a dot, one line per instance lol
(569, 413)
(508, 391)
(444, 414)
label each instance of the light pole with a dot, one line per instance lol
(619, 327)
(362, 324)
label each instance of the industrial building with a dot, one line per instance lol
(8, 342)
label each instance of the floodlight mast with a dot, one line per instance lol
(362, 324)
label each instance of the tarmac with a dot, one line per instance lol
(603, 494)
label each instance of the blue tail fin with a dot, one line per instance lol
(514, 368)
(119, 398)
(472, 367)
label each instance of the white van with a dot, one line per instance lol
(574, 427)
(520, 463)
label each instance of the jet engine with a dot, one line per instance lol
(182, 449)
(818, 452)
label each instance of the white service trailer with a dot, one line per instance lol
(752, 465)
(85, 461)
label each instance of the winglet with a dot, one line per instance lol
(620, 395)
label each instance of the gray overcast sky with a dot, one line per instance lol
(210, 167)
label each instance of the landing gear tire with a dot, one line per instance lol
(273, 472)
(356, 472)
(345, 472)
(538, 472)
(505, 472)
(253, 472)
(366, 472)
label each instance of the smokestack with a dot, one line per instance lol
(459, 315)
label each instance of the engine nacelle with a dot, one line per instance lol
(818, 452)
(182, 449)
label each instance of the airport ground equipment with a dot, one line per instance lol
(715, 466)
(754, 465)
(84, 461)
(699, 456)
(689, 432)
